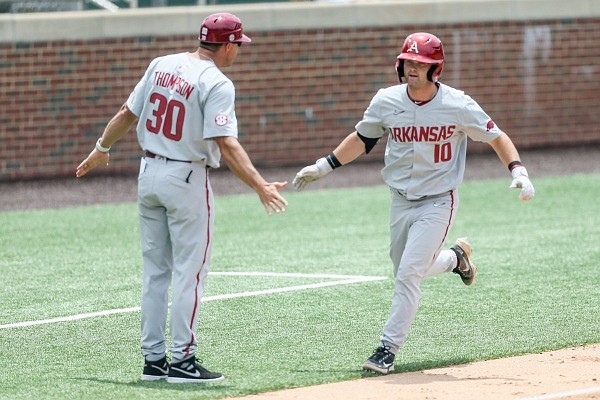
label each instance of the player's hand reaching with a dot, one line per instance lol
(272, 200)
(521, 181)
(92, 161)
(311, 173)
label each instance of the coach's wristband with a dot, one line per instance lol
(100, 148)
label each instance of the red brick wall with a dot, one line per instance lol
(299, 92)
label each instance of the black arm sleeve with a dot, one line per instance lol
(369, 142)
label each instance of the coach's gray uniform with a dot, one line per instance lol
(424, 163)
(182, 103)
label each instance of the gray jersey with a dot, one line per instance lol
(175, 117)
(427, 144)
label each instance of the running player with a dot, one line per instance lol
(427, 124)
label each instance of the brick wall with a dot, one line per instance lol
(299, 92)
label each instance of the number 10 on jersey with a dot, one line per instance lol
(442, 152)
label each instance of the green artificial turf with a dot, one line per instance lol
(538, 289)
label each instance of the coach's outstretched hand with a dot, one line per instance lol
(92, 161)
(521, 181)
(311, 173)
(272, 200)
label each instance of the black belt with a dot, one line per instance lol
(152, 155)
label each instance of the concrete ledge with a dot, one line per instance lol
(82, 25)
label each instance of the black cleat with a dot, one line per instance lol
(190, 371)
(466, 269)
(155, 370)
(381, 361)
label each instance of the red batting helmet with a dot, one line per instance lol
(422, 47)
(222, 28)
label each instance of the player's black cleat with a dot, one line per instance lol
(466, 269)
(381, 361)
(190, 371)
(155, 370)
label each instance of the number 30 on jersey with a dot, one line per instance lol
(164, 112)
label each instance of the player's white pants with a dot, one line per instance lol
(175, 202)
(418, 230)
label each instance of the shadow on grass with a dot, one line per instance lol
(214, 387)
(400, 368)
(223, 387)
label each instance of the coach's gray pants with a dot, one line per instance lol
(175, 203)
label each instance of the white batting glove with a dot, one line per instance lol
(311, 173)
(521, 181)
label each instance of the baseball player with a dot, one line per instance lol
(185, 110)
(427, 124)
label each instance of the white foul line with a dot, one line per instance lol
(300, 275)
(562, 395)
(345, 280)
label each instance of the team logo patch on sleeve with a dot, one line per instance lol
(221, 119)
(490, 125)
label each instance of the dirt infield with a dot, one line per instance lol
(563, 374)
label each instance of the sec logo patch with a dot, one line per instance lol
(221, 119)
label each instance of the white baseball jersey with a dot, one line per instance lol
(427, 144)
(175, 114)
